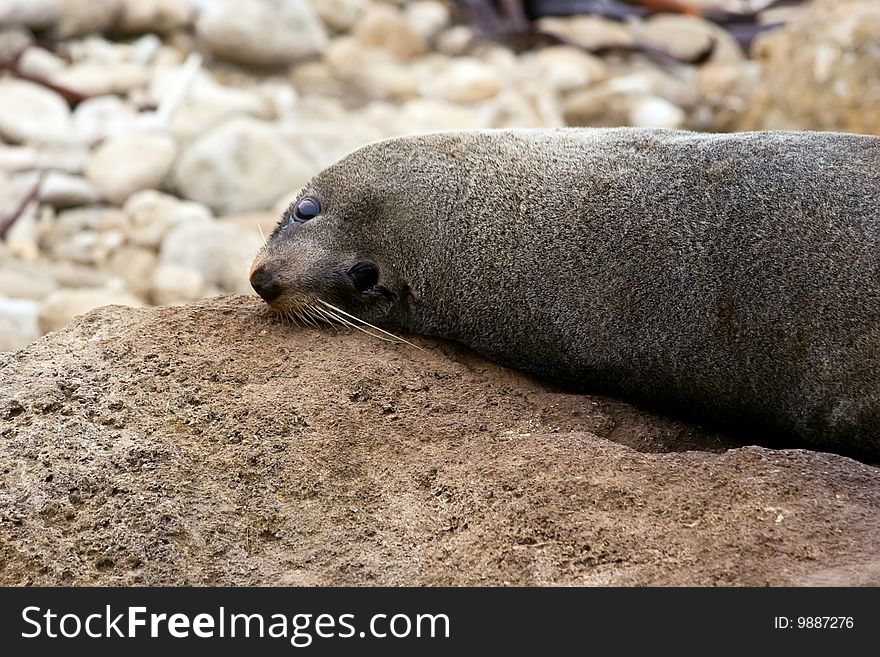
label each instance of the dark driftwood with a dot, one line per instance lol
(9, 221)
(510, 20)
(72, 96)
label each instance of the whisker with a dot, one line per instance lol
(260, 228)
(322, 317)
(355, 326)
(365, 323)
(336, 322)
(308, 318)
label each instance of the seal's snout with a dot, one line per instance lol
(266, 284)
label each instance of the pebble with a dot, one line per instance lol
(339, 15)
(21, 280)
(385, 27)
(655, 112)
(31, 114)
(18, 323)
(95, 119)
(98, 79)
(152, 214)
(466, 80)
(63, 190)
(565, 68)
(153, 16)
(125, 164)
(40, 63)
(172, 284)
(243, 164)
(133, 265)
(261, 32)
(222, 254)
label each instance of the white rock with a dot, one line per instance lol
(466, 80)
(159, 16)
(20, 280)
(23, 238)
(77, 17)
(71, 275)
(125, 164)
(81, 248)
(134, 265)
(527, 107)
(96, 49)
(71, 158)
(14, 39)
(339, 15)
(655, 112)
(95, 119)
(427, 18)
(30, 113)
(64, 190)
(35, 14)
(85, 235)
(98, 218)
(40, 63)
(565, 68)
(589, 32)
(385, 27)
(96, 79)
(146, 49)
(316, 78)
(18, 158)
(152, 214)
(18, 323)
(259, 224)
(175, 284)
(688, 37)
(221, 253)
(455, 41)
(240, 165)
(261, 32)
(320, 141)
(424, 115)
(280, 98)
(372, 71)
(207, 103)
(62, 306)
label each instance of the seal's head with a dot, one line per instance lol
(335, 245)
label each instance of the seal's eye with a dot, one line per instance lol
(305, 209)
(364, 275)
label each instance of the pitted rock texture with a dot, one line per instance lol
(211, 444)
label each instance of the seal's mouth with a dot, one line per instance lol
(315, 311)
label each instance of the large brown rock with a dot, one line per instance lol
(820, 71)
(209, 444)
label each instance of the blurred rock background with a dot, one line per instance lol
(145, 144)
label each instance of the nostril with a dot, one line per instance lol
(265, 284)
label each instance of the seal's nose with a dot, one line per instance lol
(265, 284)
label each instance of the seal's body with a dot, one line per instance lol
(736, 275)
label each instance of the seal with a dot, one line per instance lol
(732, 276)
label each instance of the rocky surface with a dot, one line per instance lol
(209, 444)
